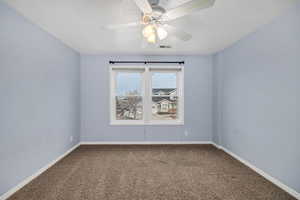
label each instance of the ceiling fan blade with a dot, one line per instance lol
(144, 5)
(187, 8)
(172, 31)
(121, 26)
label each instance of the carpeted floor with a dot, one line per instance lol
(159, 172)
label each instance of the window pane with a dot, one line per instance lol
(128, 83)
(164, 84)
(164, 108)
(129, 108)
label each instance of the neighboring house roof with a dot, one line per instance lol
(163, 91)
(161, 99)
(164, 100)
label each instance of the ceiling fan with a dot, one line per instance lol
(154, 19)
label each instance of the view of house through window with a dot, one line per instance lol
(164, 96)
(146, 96)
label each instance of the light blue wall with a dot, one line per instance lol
(39, 103)
(250, 90)
(258, 90)
(95, 124)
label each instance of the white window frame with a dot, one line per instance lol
(146, 93)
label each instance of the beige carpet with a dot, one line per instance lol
(159, 172)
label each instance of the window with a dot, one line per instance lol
(129, 101)
(146, 95)
(164, 95)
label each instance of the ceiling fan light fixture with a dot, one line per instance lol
(162, 33)
(148, 31)
(155, 18)
(151, 38)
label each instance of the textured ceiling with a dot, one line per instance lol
(78, 23)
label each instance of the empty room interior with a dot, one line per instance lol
(150, 100)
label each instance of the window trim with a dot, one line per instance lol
(147, 71)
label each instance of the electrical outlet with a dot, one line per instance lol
(71, 138)
(186, 133)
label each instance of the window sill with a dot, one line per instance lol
(154, 123)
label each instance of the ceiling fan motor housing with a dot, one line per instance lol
(157, 11)
(153, 2)
(155, 15)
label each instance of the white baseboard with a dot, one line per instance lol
(33, 176)
(145, 142)
(216, 145)
(286, 188)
